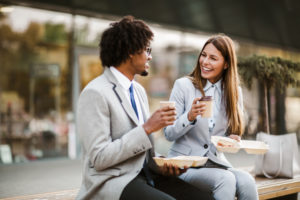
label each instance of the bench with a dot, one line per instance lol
(279, 188)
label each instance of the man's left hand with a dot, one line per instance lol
(172, 170)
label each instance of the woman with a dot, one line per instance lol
(214, 75)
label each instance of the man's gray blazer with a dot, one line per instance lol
(114, 146)
(194, 139)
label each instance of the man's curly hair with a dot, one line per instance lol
(123, 38)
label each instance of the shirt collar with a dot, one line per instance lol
(122, 79)
(209, 85)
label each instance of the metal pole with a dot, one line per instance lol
(31, 96)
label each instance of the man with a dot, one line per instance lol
(114, 125)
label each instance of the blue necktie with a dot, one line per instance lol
(145, 166)
(133, 104)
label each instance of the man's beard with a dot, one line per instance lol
(144, 73)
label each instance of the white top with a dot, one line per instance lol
(125, 83)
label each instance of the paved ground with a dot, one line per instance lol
(39, 177)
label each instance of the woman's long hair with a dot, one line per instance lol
(230, 82)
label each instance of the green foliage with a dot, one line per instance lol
(17, 52)
(270, 70)
(55, 33)
(83, 36)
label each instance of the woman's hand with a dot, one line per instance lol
(172, 170)
(196, 109)
(235, 137)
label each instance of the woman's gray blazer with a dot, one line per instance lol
(194, 139)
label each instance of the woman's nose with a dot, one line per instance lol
(205, 61)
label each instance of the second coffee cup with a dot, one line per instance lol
(208, 100)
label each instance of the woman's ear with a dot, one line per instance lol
(226, 66)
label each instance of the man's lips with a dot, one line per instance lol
(147, 66)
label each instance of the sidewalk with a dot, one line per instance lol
(46, 176)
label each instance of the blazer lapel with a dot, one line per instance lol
(121, 96)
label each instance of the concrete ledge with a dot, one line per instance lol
(60, 195)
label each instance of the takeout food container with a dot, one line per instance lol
(254, 147)
(181, 161)
(197, 160)
(250, 146)
(228, 149)
(178, 162)
(233, 149)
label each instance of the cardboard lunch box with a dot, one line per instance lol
(181, 161)
(233, 146)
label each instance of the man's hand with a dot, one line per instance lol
(159, 119)
(196, 109)
(172, 170)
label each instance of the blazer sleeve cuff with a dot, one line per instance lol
(186, 122)
(142, 141)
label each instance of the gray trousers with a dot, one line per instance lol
(225, 184)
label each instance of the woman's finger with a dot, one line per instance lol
(235, 137)
(196, 100)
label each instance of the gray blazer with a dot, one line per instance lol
(194, 139)
(114, 146)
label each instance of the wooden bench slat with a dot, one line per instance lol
(278, 187)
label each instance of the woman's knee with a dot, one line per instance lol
(225, 188)
(226, 179)
(245, 180)
(212, 179)
(246, 186)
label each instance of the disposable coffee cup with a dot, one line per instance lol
(208, 100)
(167, 103)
